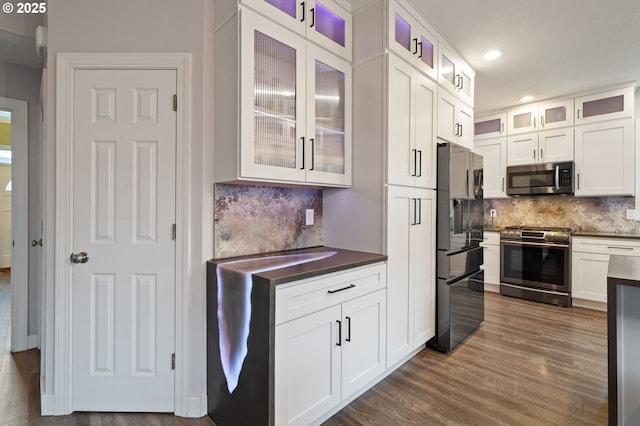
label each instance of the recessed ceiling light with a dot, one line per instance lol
(494, 54)
(526, 98)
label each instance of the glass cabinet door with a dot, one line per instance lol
(556, 114)
(522, 120)
(329, 25)
(328, 106)
(286, 12)
(411, 40)
(609, 105)
(272, 91)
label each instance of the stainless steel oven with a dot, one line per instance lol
(536, 264)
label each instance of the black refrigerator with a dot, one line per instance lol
(459, 229)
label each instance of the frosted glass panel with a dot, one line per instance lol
(603, 106)
(287, 6)
(448, 70)
(488, 126)
(555, 115)
(274, 103)
(328, 145)
(403, 32)
(329, 24)
(427, 52)
(522, 120)
(466, 84)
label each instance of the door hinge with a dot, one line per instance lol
(173, 361)
(173, 232)
(175, 102)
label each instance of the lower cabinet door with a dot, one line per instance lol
(589, 276)
(363, 350)
(308, 367)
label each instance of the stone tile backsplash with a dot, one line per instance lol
(262, 219)
(596, 214)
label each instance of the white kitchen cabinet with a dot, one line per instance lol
(455, 75)
(411, 151)
(555, 114)
(589, 266)
(491, 263)
(532, 117)
(329, 341)
(324, 22)
(410, 269)
(455, 120)
(292, 120)
(490, 126)
(608, 105)
(411, 40)
(494, 153)
(604, 158)
(541, 147)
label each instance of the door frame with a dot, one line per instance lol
(66, 65)
(19, 224)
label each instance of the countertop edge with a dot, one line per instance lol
(594, 234)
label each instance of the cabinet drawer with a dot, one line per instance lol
(491, 238)
(621, 246)
(306, 296)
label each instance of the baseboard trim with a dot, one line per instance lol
(197, 405)
(47, 403)
(589, 304)
(491, 288)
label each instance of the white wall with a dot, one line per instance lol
(147, 26)
(23, 83)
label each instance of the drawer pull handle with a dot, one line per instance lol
(341, 289)
(620, 248)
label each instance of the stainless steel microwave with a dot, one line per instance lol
(540, 179)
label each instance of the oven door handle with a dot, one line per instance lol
(557, 178)
(526, 243)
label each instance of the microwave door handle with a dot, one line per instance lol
(558, 178)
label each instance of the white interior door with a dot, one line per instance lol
(5, 216)
(124, 144)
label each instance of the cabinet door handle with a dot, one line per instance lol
(541, 121)
(339, 343)
(313, 17)
(619, 248)
(303, 11)
(501, 127)
(415, 212)
(541, 154)
(313, 153)
(461, 82)
(503, 184)
(415, 46)
(302, 139)
(415, 162)
(534, 122)
(534, 154)
(419, 163)
(419, 218)
(420, 55)
(348, 338)
(578, 180)
(578, 112)
(341, 289)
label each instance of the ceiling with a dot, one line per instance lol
(551, 47)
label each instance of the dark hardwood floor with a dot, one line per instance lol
(528, 364)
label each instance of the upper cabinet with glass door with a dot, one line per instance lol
(455, 75)
(411, 40)
(324, 22)
(292, 121)
(609, 105)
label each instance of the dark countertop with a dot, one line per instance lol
(343, 259)
(491, 228)
(605, 235)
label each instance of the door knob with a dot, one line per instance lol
(81, 257)
(36, 243)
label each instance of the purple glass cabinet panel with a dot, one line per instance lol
(329, 24)
(287, 6)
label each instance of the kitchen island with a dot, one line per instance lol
(623, 328)
(242, 350)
